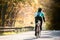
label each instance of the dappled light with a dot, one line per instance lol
(20, 13)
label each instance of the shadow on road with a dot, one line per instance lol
(30, 39)
(45, 37)
(40, 37)
(55, 33)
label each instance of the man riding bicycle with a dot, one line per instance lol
(39, 18)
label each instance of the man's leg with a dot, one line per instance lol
(40, 29)
(35, 30)
(35, 26)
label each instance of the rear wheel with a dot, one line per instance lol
(38, 29)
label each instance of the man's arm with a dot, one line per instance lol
(44, 18)
(35, 14)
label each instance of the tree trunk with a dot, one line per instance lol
(56, 15)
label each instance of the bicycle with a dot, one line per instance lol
(38, 29)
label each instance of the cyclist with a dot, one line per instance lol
(39, 16)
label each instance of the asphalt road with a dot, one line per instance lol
(45, 35)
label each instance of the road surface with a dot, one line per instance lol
(45, 35)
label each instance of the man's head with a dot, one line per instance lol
(39, 9)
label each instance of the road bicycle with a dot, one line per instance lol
(38, 31)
